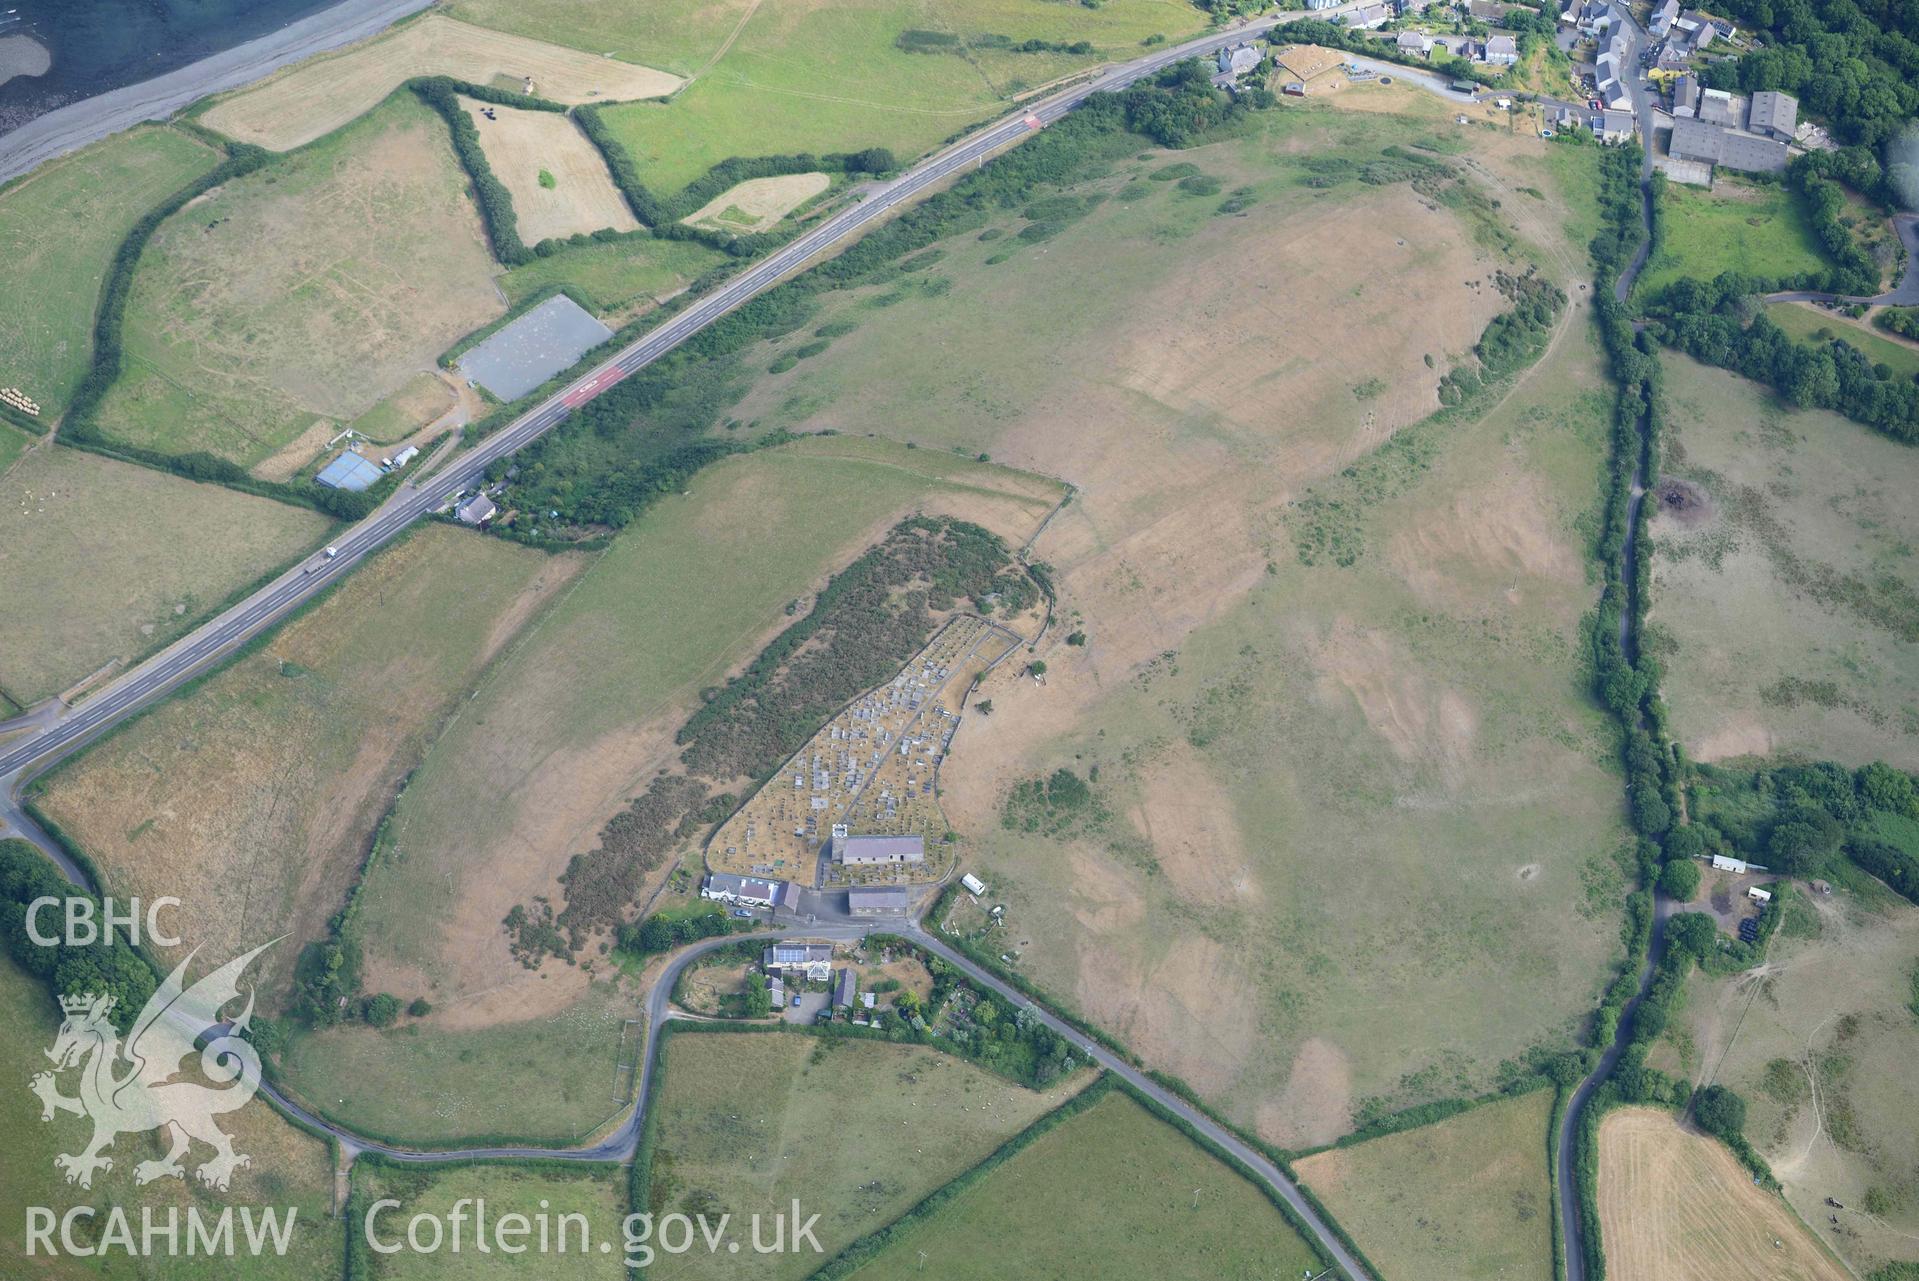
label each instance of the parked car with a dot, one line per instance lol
(796, 1002)
(741, 914)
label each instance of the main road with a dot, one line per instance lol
(220, 636)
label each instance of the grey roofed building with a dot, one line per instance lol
(1774, 114)
(887, 901)
(1372, 15)
(477, 510)
(1663, 15)
(870, 850)
(1717, 107)
(1685, 96)
(814, 960)
(1613, 126)
(845, 988)
(1316, 5)
(1697, 26)
(349, 472)
(1488, 10)
(1238, 59)
(1697, 140)
(1502, 51)
(1415, 42)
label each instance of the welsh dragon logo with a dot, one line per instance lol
(132, 1088)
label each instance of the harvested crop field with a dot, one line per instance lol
(859, 1131)
(253, 797)
(1375, 791)
(290, 1171)
(573, 721)
(1820, 1042)
(311, 99)
(758, 203)
(680, 36)
(1113, 1192)
(160, 552)
(526, 149)
(59, 228)
(1469, 1197)
(303, 294)
(1675, 1205)
(1786, 609)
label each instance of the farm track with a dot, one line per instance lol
(69, 728)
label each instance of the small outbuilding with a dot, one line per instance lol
(886, 901)
(1758, 895)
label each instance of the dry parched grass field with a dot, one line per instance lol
(527, 147)
(1468, 1198)
(858, 1131)
(252, 798)
(309, 290)
(596, 1192)
(1675, 1205)
(1786, 602)
(103, 561)
(1354, 833)
(313, 98)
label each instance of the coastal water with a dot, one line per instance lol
(97, 45)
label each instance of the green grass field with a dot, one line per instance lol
(542, 1193)
(1113, 1192)
(13, 443)
(1738, 226)
(858, 1131)
(296, 298)
(253, 795)
(673, 35)
(614, 276)
(1469, 1197)
(159, 552)
(59, 228)
(549, 1078)
(804, 76)
(290, 1169)
(1784, 610)
(576, 717)
(1810, 324)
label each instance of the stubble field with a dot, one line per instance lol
(526, 147)
(158, 553)
(1355, 828)
(857, 1131)
(313, 98)
(1786, 593)
(306, 291)
(59, 228)
(1674, 1205)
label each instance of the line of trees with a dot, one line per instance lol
(102, 969)
(1720, 322)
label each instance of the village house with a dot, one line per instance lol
(1502, 51)
(749, 891)
(813, 962)
(1415, 42)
